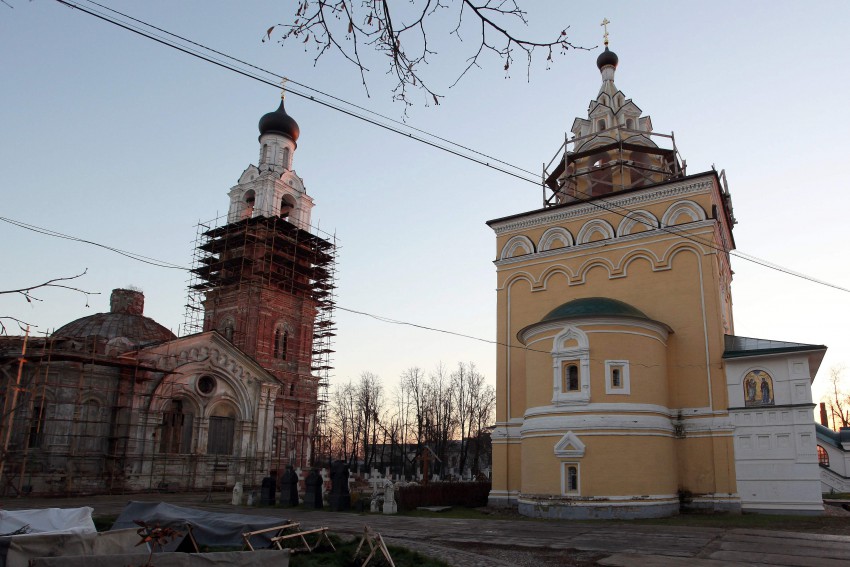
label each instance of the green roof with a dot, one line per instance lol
(736, 347)
(594, 307)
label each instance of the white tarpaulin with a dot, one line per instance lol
(17, 551)
(47, 520)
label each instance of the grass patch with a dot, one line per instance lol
(344, 556)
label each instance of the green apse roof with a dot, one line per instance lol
(594, 307)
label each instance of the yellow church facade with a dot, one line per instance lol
(614, 314)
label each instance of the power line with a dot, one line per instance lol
(602, 204)
(309, 97)
(381, 318)
(330, 96)
(131, 255)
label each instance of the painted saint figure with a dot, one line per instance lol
(765, 391)
(751, 389)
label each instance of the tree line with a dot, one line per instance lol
(444, 413)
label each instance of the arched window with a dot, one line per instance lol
(89, 428)
(221, 431)
(823, 456)
(287, 204)
(630, 124)
(572, 478)
(267, 152)
(571, 383)
(601, 176)
(226, 329)
(281, 343)
(600, 125)
(37, 424)
(285, 158)
(176, 429)
(248, 204)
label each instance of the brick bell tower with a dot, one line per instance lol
(265, 282)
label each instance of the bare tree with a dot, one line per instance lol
(27, 293)
(838, 401)
(341, 416)
(413, 383)
(432, 411)
(461, 379)
(482, 405)
(401, 34)
(443, 416)
(370, 406)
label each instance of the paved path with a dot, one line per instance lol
(470, 543)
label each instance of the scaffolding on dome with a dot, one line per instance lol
(612, 160)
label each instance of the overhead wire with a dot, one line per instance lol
(330, 96)
(332, 106)
(56, 234)
(600, 203)
(381, 318)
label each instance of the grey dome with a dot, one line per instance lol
(124, 320)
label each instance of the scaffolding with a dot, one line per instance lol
(262, 261)
(102, 413)
(80, 417)
(612, 160)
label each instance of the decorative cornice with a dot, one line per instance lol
(673, 232)
(653, 194)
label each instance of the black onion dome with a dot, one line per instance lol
(607, 57)
(279, 122)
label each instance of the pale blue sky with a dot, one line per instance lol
(116, 139)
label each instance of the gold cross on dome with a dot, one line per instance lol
(604, 24)
(283, 87)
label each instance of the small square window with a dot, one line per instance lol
(617, 377)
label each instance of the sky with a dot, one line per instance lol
(119, 140)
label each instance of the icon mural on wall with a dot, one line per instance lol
(758, 389)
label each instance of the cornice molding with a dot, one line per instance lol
(654, 194)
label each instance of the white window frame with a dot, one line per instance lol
(561, 356)
(623, 365)
(565, 491)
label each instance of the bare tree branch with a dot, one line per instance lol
(22, 325)
(27, 291)
(376, 24)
